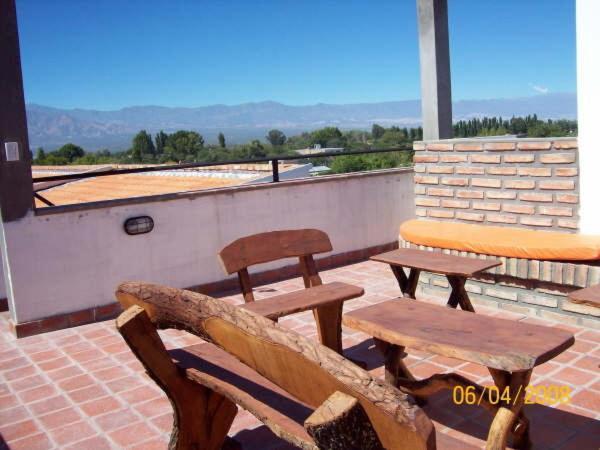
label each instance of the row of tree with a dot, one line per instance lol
(189, 146)
(530, 126)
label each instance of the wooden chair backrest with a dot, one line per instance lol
(272, 246)
(306, 369)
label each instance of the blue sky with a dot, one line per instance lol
(108, 54)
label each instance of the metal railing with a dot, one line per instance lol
(274, 160)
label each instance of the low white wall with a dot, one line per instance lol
(74, 260)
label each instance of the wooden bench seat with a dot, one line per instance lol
(338, 404)
(304, 392)
(304, 300)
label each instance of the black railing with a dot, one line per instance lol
(274, 160)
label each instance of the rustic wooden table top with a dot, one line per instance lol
(436, 262)
(588, 296)
(490, 341)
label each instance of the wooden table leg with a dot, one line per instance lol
(412, 283)
(505, 421)
(459, 295)
(408, 286)
(395, 369)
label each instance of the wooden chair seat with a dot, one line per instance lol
(210, 366)
(304, 300)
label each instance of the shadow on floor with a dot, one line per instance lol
(550, 428)
(365, 352)
(261, 438)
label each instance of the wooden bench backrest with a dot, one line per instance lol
(272, 246)
(304, 368)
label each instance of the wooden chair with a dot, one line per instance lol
(325, 300)
(307, 394)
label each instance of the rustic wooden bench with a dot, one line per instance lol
(304, 392)
(325, 300)
(456, 269)
(509, 349)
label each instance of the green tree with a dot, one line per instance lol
(142, 147)
(52, 159)
(253, 150)
(185, 146)
(328, 137)
(221, 138)
(40, 156)
(392, 138)
(377, 131)
(69, 152)
(276, 138)
(160, 140)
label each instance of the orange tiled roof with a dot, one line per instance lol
(137, 185)
(125, 186)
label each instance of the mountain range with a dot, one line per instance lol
(52, 127)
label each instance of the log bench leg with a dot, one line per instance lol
(510, 417)
(201, 417)
(408, 286)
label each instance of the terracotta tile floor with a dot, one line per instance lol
(81, 388)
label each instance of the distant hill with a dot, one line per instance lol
(52, 127)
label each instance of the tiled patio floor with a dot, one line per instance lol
(82, 388)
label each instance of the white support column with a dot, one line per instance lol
(588, 113)
(434, 51)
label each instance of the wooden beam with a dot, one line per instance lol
(16, 188)
(434, 51)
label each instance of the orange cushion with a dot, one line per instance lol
(502, 241)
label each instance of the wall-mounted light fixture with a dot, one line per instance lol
(138, 225)
(11, 151)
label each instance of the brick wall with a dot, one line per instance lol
(531, 183)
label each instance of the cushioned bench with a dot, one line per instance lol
(502, 241)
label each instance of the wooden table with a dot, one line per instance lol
(456, 269)
(509, 349)
(589, 296)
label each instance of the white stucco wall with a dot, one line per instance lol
(588, 111)
(74, 260)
